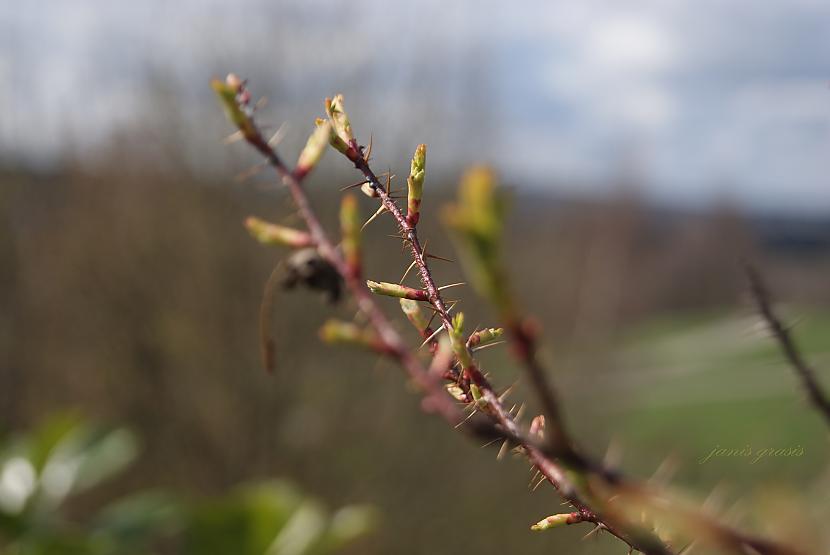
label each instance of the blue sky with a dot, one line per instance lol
(699, 100)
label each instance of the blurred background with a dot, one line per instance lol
(649, 147)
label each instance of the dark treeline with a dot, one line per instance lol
(132, 296)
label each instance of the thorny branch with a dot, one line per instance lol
(524, 342)
(557, 460)
(782, 335)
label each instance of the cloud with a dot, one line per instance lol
(715, 97)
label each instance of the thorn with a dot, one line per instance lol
(452, 285)
(506, 392)
(534, 477)
(596, 529)
(714, 501)
(261, 103)
(278, 135)
(435, 256)
(488, 345)
(505, 447)
(424, 248)
(520, 413)
(234, 137)
(466, 419)
(489, 443)
(250, 172)
(353, 185)
(406, 273)
(431, 337)
(368, 153)
(796, 322)
(373, 217)
(389, 177)
(664, 472)
(539, 483)
(431, 318)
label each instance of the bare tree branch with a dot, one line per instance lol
(781, 333)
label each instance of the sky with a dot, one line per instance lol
(697, 101)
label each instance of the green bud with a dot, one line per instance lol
(556, 520)
(478, 397)
(334, 140)
(314, 148)
(273, 234)
(537, 426)
(419, 163)
(478, 220)
(416, 185)
(456, 392)
(337, 331)
(459, 345)
(339, 119)
(397, 290)
(227, 91)
(487, 335)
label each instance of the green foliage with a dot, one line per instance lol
(40, 471)
(272, 518)
(62, 457)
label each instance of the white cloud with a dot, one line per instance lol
(629, 45)
(707, 89)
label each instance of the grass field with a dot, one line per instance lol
(700, 382)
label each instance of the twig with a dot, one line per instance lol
(785, 340)
(502, 425)
(435, 400)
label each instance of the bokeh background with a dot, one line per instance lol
(650, 148)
